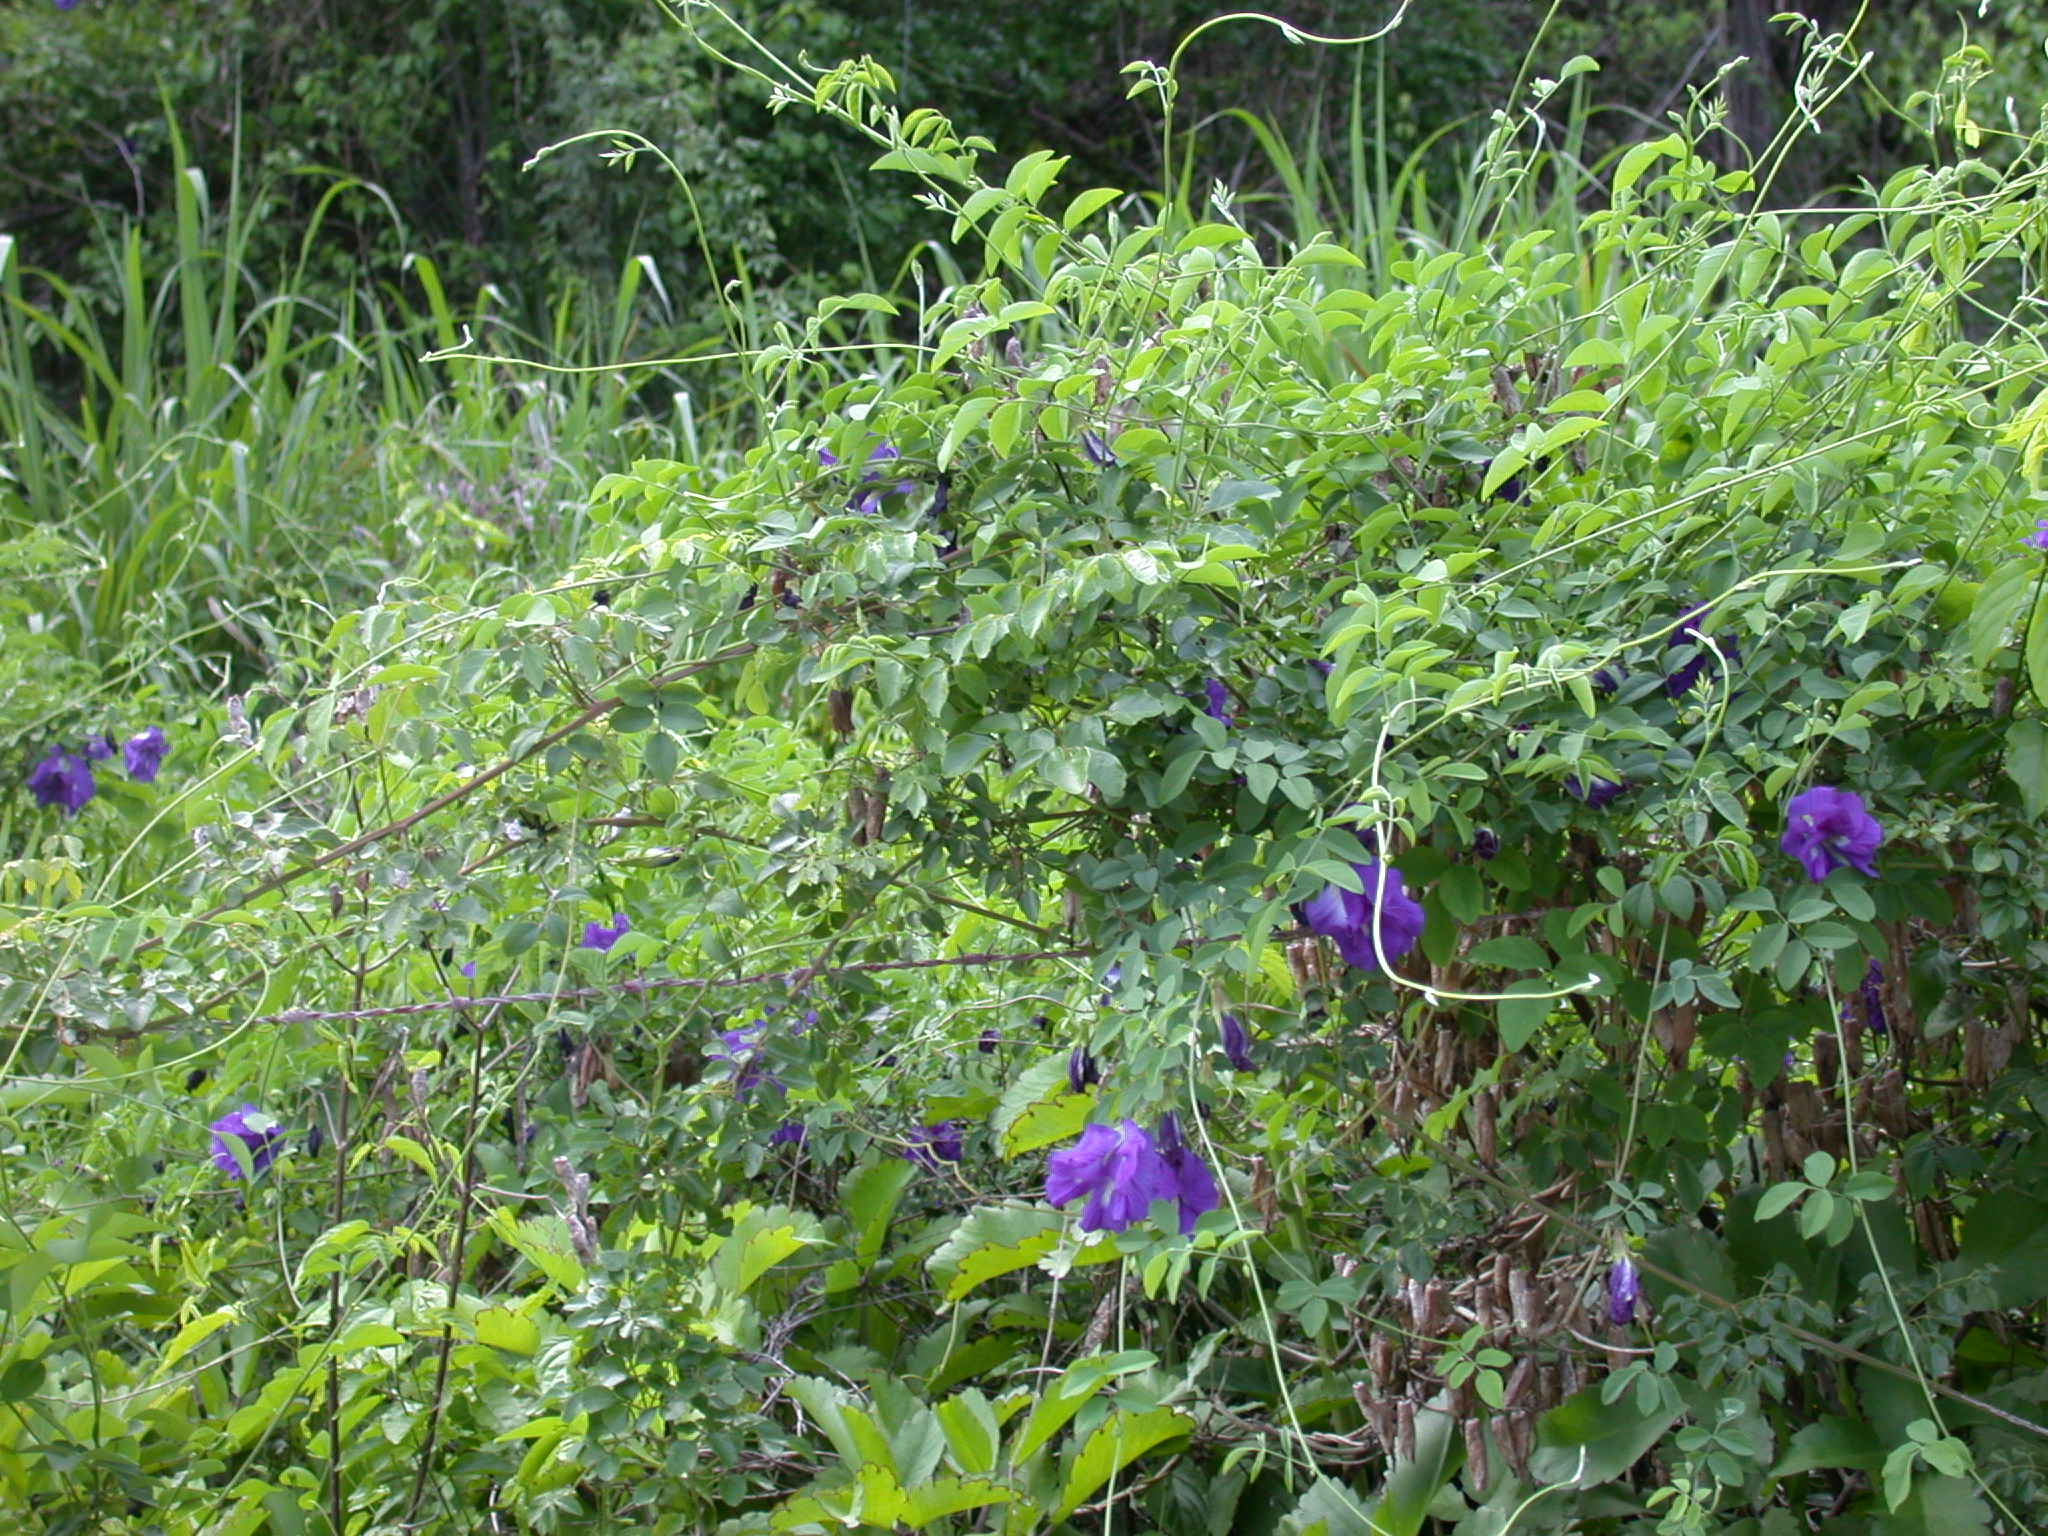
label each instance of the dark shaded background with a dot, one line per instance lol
(440, 103)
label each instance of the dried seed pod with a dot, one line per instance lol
(1436, 1308)
(1475, 1455)
(1404, 1429)
(1522, 1301)
(1505, 395)
(1827, 1059)
(1070, 908)
(1503, 1295)
(1567, 1377)
(839, 711)
(1265, 1195)
(1381, 1360)
(1676, 1028)
(1519, 1381)
(1482, 1307)
(877, 810)
(1418, 1308)
(1444, 1072)
(1361, 1394)
(1886, 1105)
(1298, 963)
(1512, 1432)
(1105, 383)
(1485, 1126)
(1385, 1423)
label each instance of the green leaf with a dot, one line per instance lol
(869, 1196)
(1413, 1482)
(1463, 893)
(949, 1496)
(503, 1328)
(1038, 1096)
(1585, 1442)
(994, 1240)
(1831, 1442)
(1777, 1199)
(1086, 204)
(759, 1241)
(2026, 760)
(22, 1380)
(1519, 1015)
(971, 1430)
(1115, 1443)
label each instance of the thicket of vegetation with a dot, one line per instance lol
(1353, 862)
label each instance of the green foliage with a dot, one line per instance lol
(906, 772)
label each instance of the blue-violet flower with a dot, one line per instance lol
(1380, 922)
(1624, 1289)
(1237, 1045)
(597, 936)
(257, 1133)
(144, 754)
(931, 1145)
(1119, 1171)
(63, 778)
(1827, 829)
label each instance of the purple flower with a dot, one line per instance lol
(1383, 920)
(1486, 843)
(790, 1133)
(742, 1053)
(144, 754)
(1872, 993)
(1689, 634)
(2038, 539)
(257, 1133)
(1624, 1288)
(100, 748)
(1194, 1186)
(1082, 1073)
(990, 1041)
(1096, 451)
(1237, 1045)
(1601, 793)
(1117, 1169)
(1827, 829)
(867, 502)
(597, 936)
(63, 778)
(931, 1145)
(1608, 679)
(1218, 707)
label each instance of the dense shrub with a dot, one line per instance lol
(1536, 767)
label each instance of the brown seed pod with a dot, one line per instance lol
(1475, 1455)
(1265, 1194)
(1404, 1429)
(1519, 1381)
(1444, 1075)
(1522, 1301)
(1381, 1359)
(839, 711)
(1485, 1126)
(1676, 1029)
(1511, 1431)
(1436, 1305)
(1418, 1308)
(877, 809)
